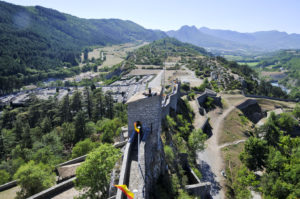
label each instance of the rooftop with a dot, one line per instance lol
(145, 94)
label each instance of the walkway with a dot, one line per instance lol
(231, 143)
(134, 172)
(210, 160)
(156, 82)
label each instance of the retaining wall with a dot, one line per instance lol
(73, 161)
(271, 98)
(8, 185)
(125, 168)
(55, 190)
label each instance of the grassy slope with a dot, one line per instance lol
(235, 124)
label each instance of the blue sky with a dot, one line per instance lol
(239, 15)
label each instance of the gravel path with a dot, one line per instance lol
(210, 160)
(231, 143)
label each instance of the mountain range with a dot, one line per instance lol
(228, 41)
(37, 42)
(29, 34)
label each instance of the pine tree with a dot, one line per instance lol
(88, 102)
(64, 110)
(76, 104)
(80, 120)
(99, 108)
(109, 101)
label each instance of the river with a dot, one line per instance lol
(281, 86)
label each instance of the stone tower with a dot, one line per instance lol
(146, 108)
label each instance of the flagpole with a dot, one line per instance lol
(138, 149)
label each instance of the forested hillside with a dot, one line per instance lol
(36, 42)
(156, 52)
(271, 150)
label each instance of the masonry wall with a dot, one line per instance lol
(171, 101)
(270, 98)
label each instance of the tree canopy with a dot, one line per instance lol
(93, 175)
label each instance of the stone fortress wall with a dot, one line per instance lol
(149, 110)
(170, 101)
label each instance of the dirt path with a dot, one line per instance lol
(210, 160)
(231, 143)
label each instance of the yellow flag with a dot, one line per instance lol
(125, 190)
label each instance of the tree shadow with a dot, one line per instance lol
(209, 176)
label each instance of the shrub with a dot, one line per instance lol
(83, 147)
(169, 154)
(191, 96)
(197, 172)
(34, 178)
(4, 177)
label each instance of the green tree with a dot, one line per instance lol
(4, 177)
(169, 154)
(287, 122)
(255, 153)
(243, 180)
(271, 130)
(99, 105)
(46, 125)
(88, 102)
(83, 148)
(296, 111)
(54, 142)
(171, 124)
(94, 174)
(65, 110)
(76, 104)
(196, 140)
(34, 178)
(80, 121)
(109, 129)
(86, 54)
(68, 133)
(8, 139)
(109, 102)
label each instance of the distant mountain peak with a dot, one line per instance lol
(190, 28)
(234, 41)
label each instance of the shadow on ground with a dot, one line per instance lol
(209, 176)
(208, 130)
